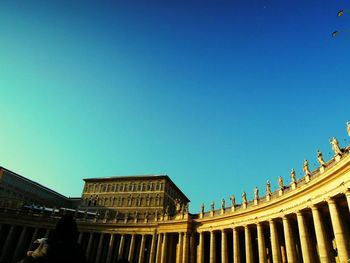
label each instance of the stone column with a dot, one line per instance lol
(200, 254)
(121, 246)
(322, 243)
(193, 248)
(185, 248)
(20, 244)
(224, 258)
(248, 245)
(212, 247)
(35, 234)
(275, 243)
(132, 248)
(261, 244)
(80, 238)
(159, 248)
(142, 249)
(290, 245)
(236, 251)
(347, 194)
(88, 249)
(110, 248)
(341, 240)
(179, 249)
(7, 245)
(99, 249)
(153, 248)
(304, 239)
(164, 248)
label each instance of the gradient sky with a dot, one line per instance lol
(219, 95)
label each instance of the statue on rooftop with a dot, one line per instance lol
(212, 205)
(280, 182)
(222, 203)
(292, 176)
(320, 158)
(268, 188)
(202, 208)
(348, 128)
(244, 197)
(335, 146)
(256, 193)
(306, 167)
(233, 200)
(177, 205)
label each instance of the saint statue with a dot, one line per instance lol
(348, 128)
(244, 197)
(268, 188)
(177, 205)
(306, 167)
(222, 203)
(202, 208)
(292, 176)
(320, 158)
(280, 182)
(335, 146)
(212, 206)
(233, 200)
(256, 193)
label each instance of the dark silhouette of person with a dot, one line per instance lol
(61, 246)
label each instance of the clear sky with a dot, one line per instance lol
(219, 95)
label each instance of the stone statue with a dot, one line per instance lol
(268, 188)
(212, 205)
(186, 207)
(222, 203)
(244, 197)
(280, 182)
(335, 146)
(202, 208)
(233, 200)
(177, 205)
(348, 128)
(306, 167)
(107, 214)
(320, 158)
(167, 210)
(256, 193)
(292, 176)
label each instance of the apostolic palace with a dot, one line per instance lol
(146, 218)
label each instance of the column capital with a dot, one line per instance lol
(330, 200)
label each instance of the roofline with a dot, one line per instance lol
(33, 182)
(137, 177)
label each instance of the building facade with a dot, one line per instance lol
(306, 221)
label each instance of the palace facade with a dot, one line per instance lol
(146, 219)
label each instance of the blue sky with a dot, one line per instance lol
(219, 95)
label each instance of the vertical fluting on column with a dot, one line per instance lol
(290, 245)
(224, 258)
(321, 237)
(99, 248)
(159, 248)
(236, 250)
(164, 248)
(341, 240)
(132, 248)
(261, 244)
(248, 245)
(153, 248)
(110, 248)
(121, 246)
(347, 195)
(305, 241)
(142, 249)
(179, 249)
(212, 247)
(192, 248)
(7, 245)
(88, 249)
(20, 243)
(200, 254)
(275, 243)
(185, 248)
